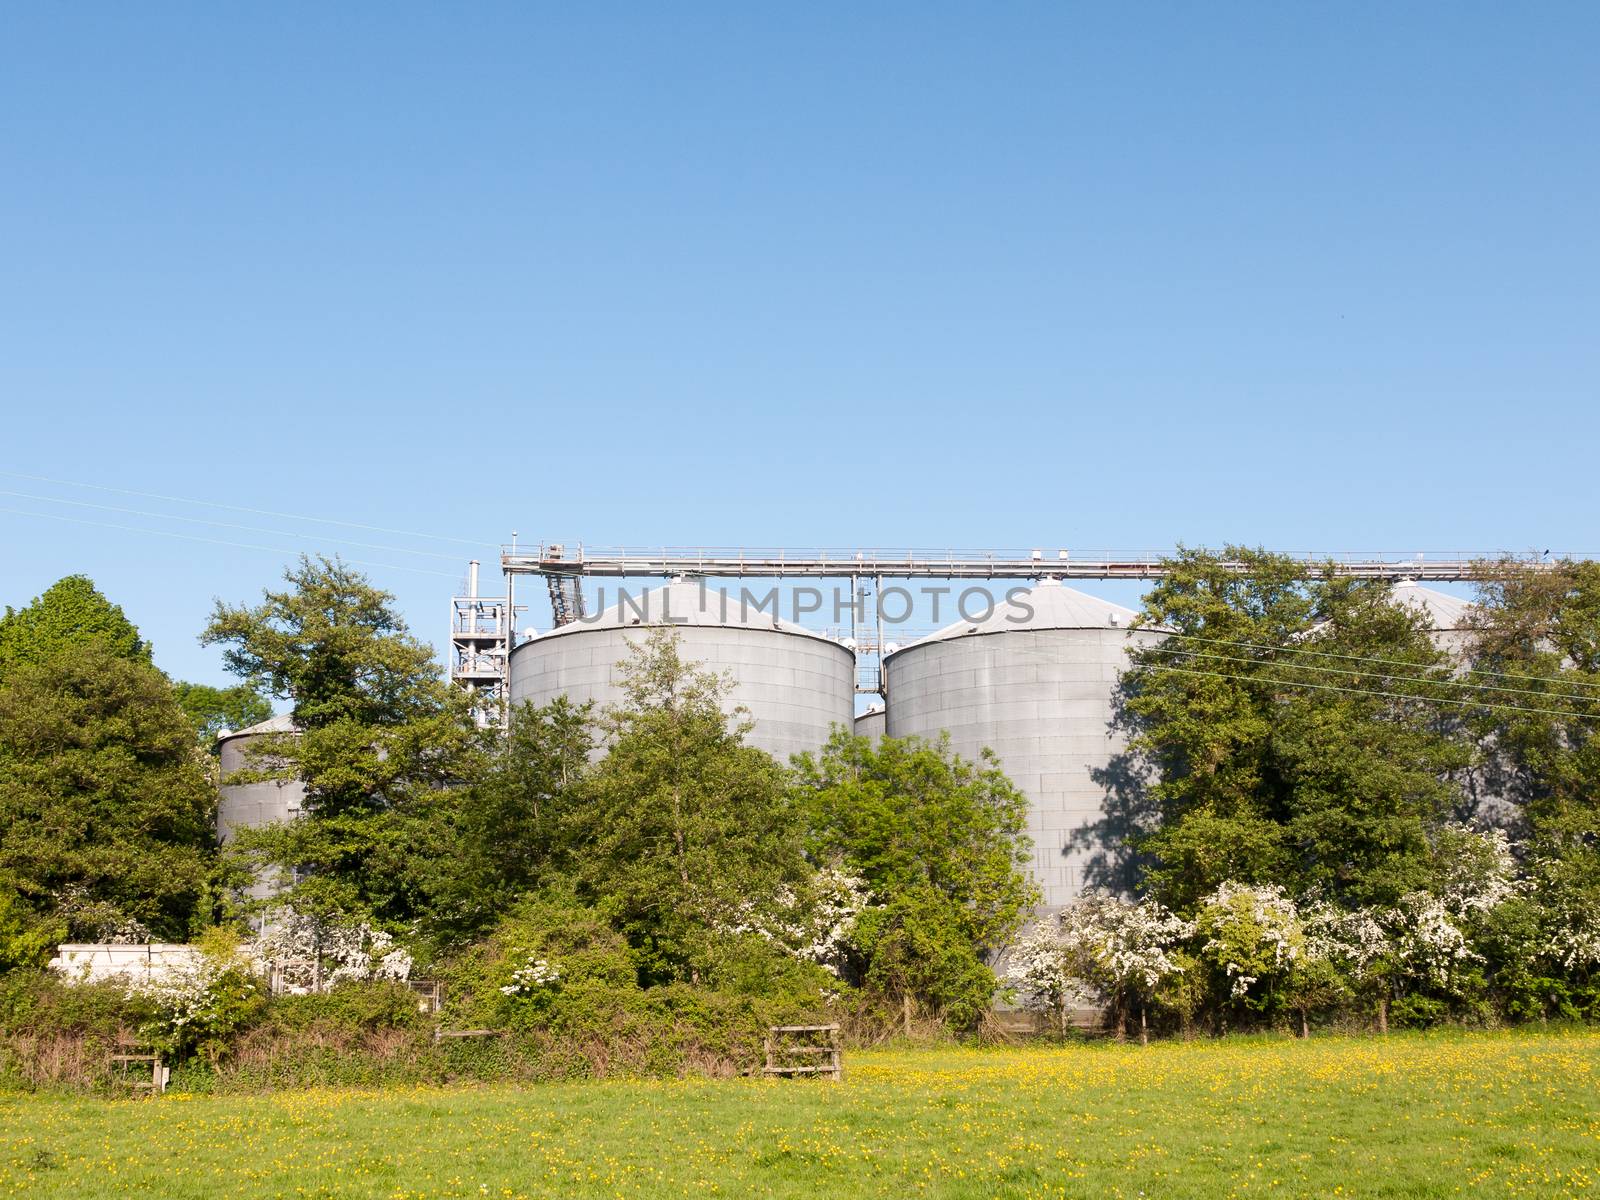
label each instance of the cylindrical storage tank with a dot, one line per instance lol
(1447, 616)
(870, 724)
(1447, 619)
(796, 684)
(250, 805)
(1035, 682)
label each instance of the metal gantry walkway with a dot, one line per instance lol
(563, 559)
(565, 565)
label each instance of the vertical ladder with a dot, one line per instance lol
(566, 598)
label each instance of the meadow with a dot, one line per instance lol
(1503, 1114)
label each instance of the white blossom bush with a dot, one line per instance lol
(1424, 942)
(1358, 942)
(815, 928)
(199, 1001)
(1479, 870)
(1039, 965)
(838, 900)
(305, 953)
(1100, 947)
(1567, 937)
(1430, 946)
(1123, 944)
(534, 977)
(1572, 937)
(1253, 935)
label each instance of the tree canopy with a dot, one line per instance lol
(214, 709)
(1535, 660)
(106, 814)
(682, 831)
(1292, 729)
(378, 731)
(481, 847)
(71, 614)
(940, 844)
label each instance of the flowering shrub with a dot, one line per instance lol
(1358, 942)
(816, 927)
(1039, 964)
(1252, 936)
(201, 1001)
(1479, 870)
(1573, 938)
(1110, 949)
(532, 978)
(1429, 944)
(308, 953)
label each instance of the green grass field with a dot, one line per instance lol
(1456, 1114)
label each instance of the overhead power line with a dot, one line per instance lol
(289, 533)
(1328, 687)
(1422, 679)
(1194, 637)
(189, 537)
(260, 512)
(1045, 655)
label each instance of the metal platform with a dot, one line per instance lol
(568, 560)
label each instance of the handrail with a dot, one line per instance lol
(774, 562)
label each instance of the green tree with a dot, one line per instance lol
(480, 848)
(940, 843)
(26, 938)
(682, 833)
(71, 614)
(214, 709)
(1535, 655)
(1283, 751)
(106, 813)
(379, 732)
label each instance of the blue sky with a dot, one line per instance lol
(1109, 276)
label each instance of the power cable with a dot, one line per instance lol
(1326, 687)
(187, 537)
(260, 512)
(1484, 687)
(139, 512)
(1194, 637)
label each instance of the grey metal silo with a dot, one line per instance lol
(1487, 785)
(796, 684)
(1035, 682)
(1447, 616)
(871, 724)
(252, 805)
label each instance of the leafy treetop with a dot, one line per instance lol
(214, 709)
(71, 614)
(105, 809)
(682, 832)
(1282, 750)
(331, 643)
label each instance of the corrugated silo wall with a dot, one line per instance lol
(1484, 784)
(796, 687)
(871, 724)
(1043, 700)
(252, 805)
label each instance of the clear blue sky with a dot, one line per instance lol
(1087, 275)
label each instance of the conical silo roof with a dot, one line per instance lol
(1047, 605)
(282, 723)
(1443, 612)
(687, 602)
